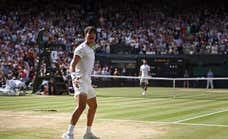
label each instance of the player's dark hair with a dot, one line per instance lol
(90, 29)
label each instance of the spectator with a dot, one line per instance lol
(186, 82)
(149, 30)
(210, 74)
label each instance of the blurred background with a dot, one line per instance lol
(173, 36)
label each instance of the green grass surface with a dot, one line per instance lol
(188, 113)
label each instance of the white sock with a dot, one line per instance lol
(88, 129)
(70, 129)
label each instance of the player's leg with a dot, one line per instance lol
(142, 84)
(208, 84)
(186, 84)
(145, 87)
(92, 103)
(212, 85)
(81, 99)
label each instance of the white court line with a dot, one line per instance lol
(208, 125)
(200, 116)
(132, 121)
(167, 123)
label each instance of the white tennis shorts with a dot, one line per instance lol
(144, 81)
(84, 86)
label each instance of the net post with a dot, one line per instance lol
(174, 83)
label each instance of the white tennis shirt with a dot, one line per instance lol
(85, 66)
(145, 69)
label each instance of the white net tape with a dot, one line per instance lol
(160, 78)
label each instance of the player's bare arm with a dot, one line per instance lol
(73, 64)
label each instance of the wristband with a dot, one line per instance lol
(73, 75)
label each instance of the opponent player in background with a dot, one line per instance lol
(144, 72)
(81, 68)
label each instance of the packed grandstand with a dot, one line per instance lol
(123, 27)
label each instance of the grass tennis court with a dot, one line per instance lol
(166, 113)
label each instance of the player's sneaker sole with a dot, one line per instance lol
(67, 136)
(90, 136)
